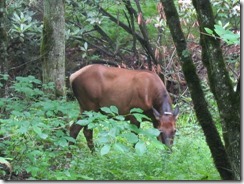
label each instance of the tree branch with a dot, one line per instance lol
(145, 43)
(131, 23)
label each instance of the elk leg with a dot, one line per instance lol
(74, 131)
(89, 138)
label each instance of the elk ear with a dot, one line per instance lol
(176, 112)
(156, 114)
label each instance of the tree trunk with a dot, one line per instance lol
(200, 105)
(3, 49)
(53, 45)
(220, 84)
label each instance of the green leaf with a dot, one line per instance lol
(105, 149)
(23, 128)
(106, 110)
(186, 53)
(133, 128)
(39, 132)
(114, 109)
(62, 142)
(113, 132)
(88, 113)
(151, 132)
(50, 113)
(120, 147)
(131, 137)
(226, 35)
(43, 136)
(91, 125)
(103, 140)
(4, 160)
(230, 38)
(219, 30)
(119, 117)
(70, 139)
(159, 145)
(4, 76)
(209, 31)
(139, 117)
(138, 110)
(82, 122)
(140, 147)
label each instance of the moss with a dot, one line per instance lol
(46, 35)
(221, 86)
(46, 47)
(53, 46)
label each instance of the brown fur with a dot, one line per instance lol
(96, 86)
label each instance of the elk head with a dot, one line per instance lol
(166, 125)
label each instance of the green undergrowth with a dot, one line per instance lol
(34, 142)
(190, 159)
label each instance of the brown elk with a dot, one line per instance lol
(96, 86)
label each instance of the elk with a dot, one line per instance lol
(96, 86)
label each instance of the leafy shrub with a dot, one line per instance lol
(113, 131)
(33, 127)
(34, 142)
(190, 159)
(227, 11)
(226, 35)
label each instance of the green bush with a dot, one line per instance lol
(113, 131)
(34, 142)
(33, 127)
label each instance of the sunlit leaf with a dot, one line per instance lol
(140, 147)
(114, 109)
(209, 31)
(82, 122)
(138, 110)
(105, 149)
(106, 110)
(131, 137)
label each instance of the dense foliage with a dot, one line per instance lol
(89, 35)
(34, 142)
(34, 126)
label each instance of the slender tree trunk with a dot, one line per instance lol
(220, 84)
(200, 105)
(3, 49)
(53, 45)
